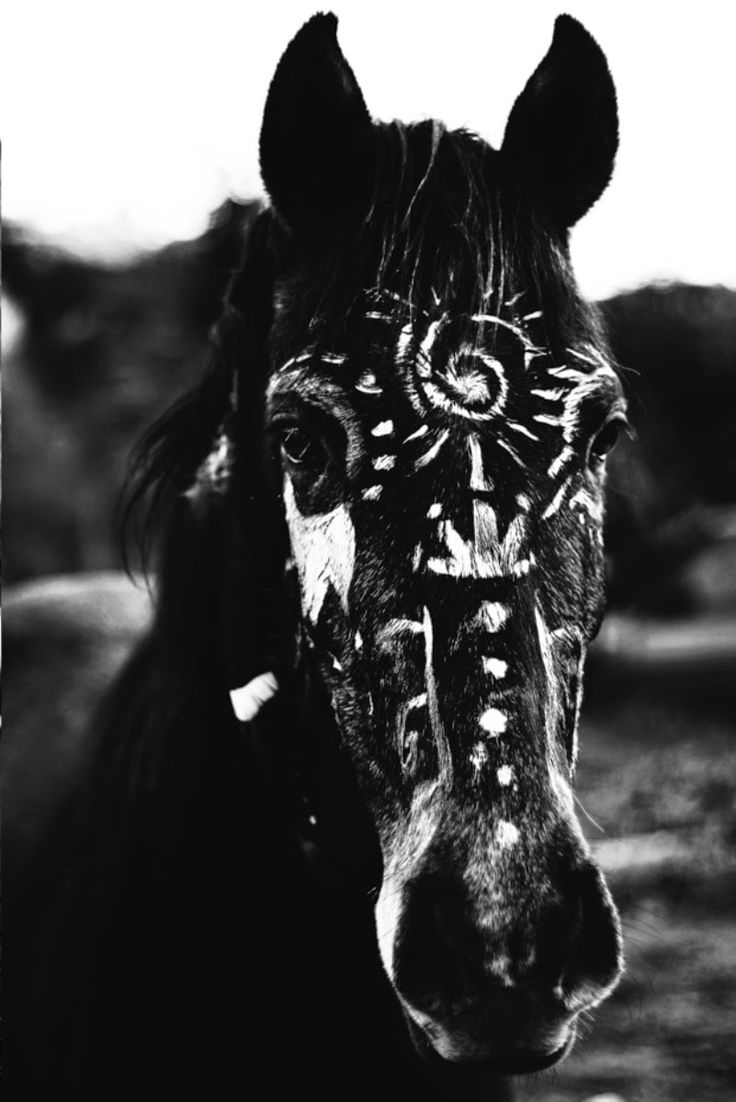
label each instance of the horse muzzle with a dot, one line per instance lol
(498, 981)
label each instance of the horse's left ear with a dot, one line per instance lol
(316, 147)
(562, 133)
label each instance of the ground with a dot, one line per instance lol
(658, 774)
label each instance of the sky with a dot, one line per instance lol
(124, 124)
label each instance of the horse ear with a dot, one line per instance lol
(562, 133)
(316, 147)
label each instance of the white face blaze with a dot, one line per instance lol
(323, 547)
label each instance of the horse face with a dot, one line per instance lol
(443, 413)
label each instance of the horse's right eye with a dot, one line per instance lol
(302, 448)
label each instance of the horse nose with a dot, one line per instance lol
(542, 961)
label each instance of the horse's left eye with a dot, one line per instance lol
(606, 438)
(302, 448)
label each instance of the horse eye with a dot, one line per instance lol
(301, 447)
(606, 439)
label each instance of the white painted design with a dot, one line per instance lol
(511, 451)
(566, 636)
(248, 700)
(333, 358)
(530, 317)
(552, 706)
(546, 419)
(433, 451)
(479, 756)
(559, 462)
(469, 394)
(522, 430)
(384, 462)
(564, 371)
(523, 502)
(428, 342)
(505, 775)
(368, 384)
(478, 480)
(485, 556)
(493, 615)
(555, 395)
(557, 500)
(358, 641)
(523, 566)
(421, 431)
(507, 834)
(383, 428)
(496, 667)
(323, 546)
(416, 560)
(397, 627)
(444, 759)
(494, 722)
(404, 341)
(301, 358)
(434, 511)
(371, 493)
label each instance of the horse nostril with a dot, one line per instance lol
(595, 961)
(436, 946)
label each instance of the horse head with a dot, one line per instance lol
(417, 408)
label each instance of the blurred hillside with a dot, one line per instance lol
(100, 352)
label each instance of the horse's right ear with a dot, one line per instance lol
(316, 147)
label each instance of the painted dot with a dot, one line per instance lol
(506, 834)
(434, 511)
(505, 775)
(496, 667)
(368, 384)
(383, 428)
(384, 462)
(372, 493)
(494, 722)
(479, 756)
(494, 615)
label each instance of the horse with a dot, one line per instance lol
(325, 836)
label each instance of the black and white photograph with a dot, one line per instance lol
(369, 551)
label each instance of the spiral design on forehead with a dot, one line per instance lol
(472, 385)
(469, 383)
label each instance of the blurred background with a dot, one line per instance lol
(129, 178)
